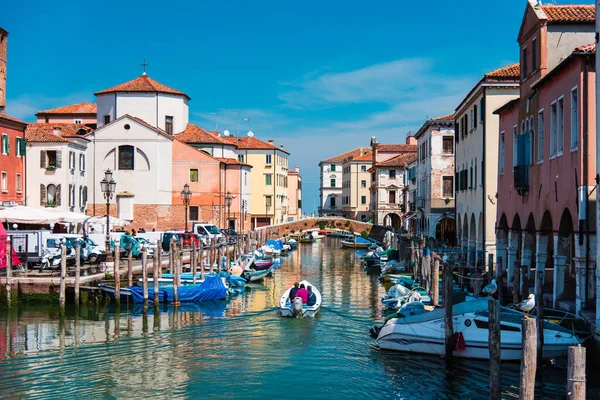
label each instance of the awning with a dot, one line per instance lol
(68, 216)
(28, 215)
(97, 224)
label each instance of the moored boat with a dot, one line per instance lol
(424, 333)
(356, 243)
(252, 275)
(295, 308)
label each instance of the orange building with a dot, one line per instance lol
(12, 160)
(210, 179)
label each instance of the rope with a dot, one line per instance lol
(469, 278)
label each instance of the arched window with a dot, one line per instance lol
(126, 157)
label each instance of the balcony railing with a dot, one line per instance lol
(521, 179)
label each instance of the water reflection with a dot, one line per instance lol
(239, 348)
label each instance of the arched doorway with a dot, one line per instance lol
(564, 274)
(392, 220)
(514, 247)
(546, 247)
(445, 233)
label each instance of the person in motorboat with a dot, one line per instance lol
(302, 293)
(293, 291)
(312, 297)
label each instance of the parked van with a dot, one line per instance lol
(29, 245)
(90, 251)
(184, 239)
(207, 231)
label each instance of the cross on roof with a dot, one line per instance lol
(144, 64)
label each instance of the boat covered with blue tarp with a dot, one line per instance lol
(211, 289)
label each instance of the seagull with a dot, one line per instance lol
(527, 305)
(491, 288)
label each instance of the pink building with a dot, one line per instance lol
(547, 158)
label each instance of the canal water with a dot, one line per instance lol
(238, 349)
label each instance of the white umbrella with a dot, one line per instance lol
(28, 215)
(98, 223)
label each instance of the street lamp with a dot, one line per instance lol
(228, 200)
(108, 186)
(186, 197)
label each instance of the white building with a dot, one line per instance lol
(157, 104)
(477, 158)
(56, 170)
(141, 157)
(435, 180)
(330, 190)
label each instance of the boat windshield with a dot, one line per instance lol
(516, 317)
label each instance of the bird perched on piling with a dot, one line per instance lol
(528, 304)
(491, 288)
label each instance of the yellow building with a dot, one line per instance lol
(355, 186)
(268, 180)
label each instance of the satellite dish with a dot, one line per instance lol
(250, 134)
(226, 133)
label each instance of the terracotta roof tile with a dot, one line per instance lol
(509, 73)
(365, 157)
(44, 133)
(195, 134)
(340, 159)
(570, 12)
(398, 161)
(231, 161)
(11, 119)
(397, 148)
(80, 108)
(449, 117)
(588, 48)
(246, 142)
(142, 84)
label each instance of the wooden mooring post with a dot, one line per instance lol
(539, 305)
(576, 380)
(77, 273)
(159, 251)
(435, 282)
(494, 345)
(174, 253)
(130, 267)
(145, 278)
(500, 280)
(8, 273)
(63, 275)
(155, 276)
(490, 268)
(193, 263)
(201, 260)
(528, 359)
(117, 275)
(448, 302)
(211, 255)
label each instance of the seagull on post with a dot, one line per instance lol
(527, 305)
(491, 288)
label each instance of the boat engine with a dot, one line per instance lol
(297, 307)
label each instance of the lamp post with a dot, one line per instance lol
(186, 197)
(108, 186)
(228, 200)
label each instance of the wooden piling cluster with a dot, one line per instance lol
(495, 350)
(63, 276)
(117, 276)
(8, 272)
(77, 273)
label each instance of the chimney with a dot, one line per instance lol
(374, 145)
(281, 147)
(411, 140)
(298, 169)
(56, 130)
(271, 141)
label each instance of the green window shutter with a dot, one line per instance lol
(42, 195)
(58, 159)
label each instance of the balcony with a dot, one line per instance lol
(521, 176)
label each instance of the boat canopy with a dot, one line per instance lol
(277, 244)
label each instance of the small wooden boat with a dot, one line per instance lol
(357, 243)
(296, 308)
(306, 239)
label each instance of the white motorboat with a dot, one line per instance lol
(252, 275)
(295, 308)
(424, 333)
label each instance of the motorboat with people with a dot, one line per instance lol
(296, 307)
(424, 333)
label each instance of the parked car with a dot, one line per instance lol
(207, 231)
(130, 244)
(185, 239)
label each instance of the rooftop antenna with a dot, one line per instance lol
(250, 133)
(216, 121)
(238, 124)
(144, 64)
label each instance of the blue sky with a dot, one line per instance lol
(320, 77)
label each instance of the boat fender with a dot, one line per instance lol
(459, 341)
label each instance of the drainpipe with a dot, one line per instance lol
(585, 148)
(483, 186)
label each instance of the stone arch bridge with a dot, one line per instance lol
(313, 224)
